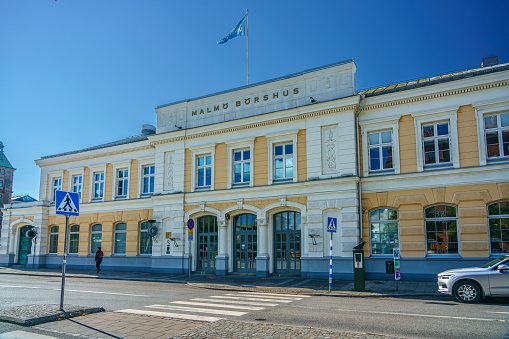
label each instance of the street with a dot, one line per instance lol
(402, 317)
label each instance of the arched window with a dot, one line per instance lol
(74, 239)
(145, 239)
(120, 236)
(53, 239)
(441, 229)
(96, 236)
(498, 219)
(384, 230)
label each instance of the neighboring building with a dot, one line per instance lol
(6, 177)
(260, 170)
(16, 198)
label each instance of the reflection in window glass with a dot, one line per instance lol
(498, 220)
(441, 229)
(384, 230)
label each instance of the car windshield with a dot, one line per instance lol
(494, 262)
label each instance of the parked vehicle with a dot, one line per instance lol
(469, 285)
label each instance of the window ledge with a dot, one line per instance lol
(443, 256)
(384, 172)
(438, 167)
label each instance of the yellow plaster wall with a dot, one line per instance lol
(467, 137)
(85, 193)
(471, 201)
(407, 150)
(133, 179)
(65, 181)
(108, 182)
(261, 158)
(302, 171)
(221, 166)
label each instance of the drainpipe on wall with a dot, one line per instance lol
(359, 109)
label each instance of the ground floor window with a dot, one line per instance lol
(498, 219)
(287, 242)
(441, 229)
(384, 230)
(245, 242)
(74, 239)
(207, 244)
(120, 237)
(145, 239)
(95, 237)
(53, 239)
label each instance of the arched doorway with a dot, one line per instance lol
(207, 243)
(245, 241)
(25, 245)
(287, 243)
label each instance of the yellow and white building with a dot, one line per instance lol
(259, 170)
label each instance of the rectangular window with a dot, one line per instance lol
(241, 166)
(77, 184)
(496, 130)
(1, 183)
(57, 186)
(283, 161)
(120, 238)
(384, 230)
(148, 179)
(98, 185)
(436, 143)
(380, 151)
(441, 229)
(203, 171)
(53, 240)
(74, 239)
(122, 182)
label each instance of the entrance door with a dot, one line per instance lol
(207, 243)
(287, 239)
(25, 245)
(245, 243)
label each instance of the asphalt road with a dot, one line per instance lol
(409, 318)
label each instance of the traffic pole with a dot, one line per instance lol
(330, 263)
(64, 263)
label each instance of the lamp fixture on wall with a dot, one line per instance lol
(312, 100)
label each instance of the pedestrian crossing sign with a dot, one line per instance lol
(332, 224)
(67, 203)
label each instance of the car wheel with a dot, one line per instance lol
(467, 292)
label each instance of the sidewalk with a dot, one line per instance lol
(93, 322)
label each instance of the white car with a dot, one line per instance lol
(469, 285)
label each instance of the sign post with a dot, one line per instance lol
(190, 226)
(66, 203)
(332, 225)
(397, 273)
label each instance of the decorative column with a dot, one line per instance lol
(262, 257)
(222, 257)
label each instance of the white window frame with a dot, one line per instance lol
(121, 166)
(238, 145)
(72, 175)
(71, 233)
(449, 114)
(93, 171)
(52, 240)
(116, 233)
(141, 176)
(195, 153)
(493, 107)
(55, 176)
(282, 138)
(380, 125)
(92, 233)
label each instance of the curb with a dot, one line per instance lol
(59, 315)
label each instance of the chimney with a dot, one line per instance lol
(148, 129)
(491, 61)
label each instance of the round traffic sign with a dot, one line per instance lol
(190, 224)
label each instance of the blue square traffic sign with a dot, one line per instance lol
(67, 203)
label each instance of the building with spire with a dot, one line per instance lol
(6, 176)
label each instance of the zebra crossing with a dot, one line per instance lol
(212, 308)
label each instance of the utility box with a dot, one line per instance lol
(359, 279)
(389, 267)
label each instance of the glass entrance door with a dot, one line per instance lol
(287, 240)
(25, 245)
(245, 243)
(207, 243)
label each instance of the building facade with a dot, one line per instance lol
(6, 178)
(260, 170)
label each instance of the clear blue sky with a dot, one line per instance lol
(79, 73)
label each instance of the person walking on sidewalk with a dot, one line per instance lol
(98, 258)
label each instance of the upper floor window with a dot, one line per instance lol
(384, 230)
(77, 184)
(120, 238)
(283, 161)
(95, 237)
(436, 143)
(380, 151)
(98, 185)
(74, 239)
(148, 179)
(1, 183)
(57, 186)
(203, 171)
(241, 166)
(122, 182)
(498, 219)
(496, 130)
(145, 239)
(441, 229)
(2, 171)
(53, 240)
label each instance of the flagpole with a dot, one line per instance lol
(247, 46)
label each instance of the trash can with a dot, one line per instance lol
(389, 267)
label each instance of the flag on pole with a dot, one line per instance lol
(239, 30)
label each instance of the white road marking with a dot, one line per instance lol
(18, 286)
(251, 308)
(172, 315)
(251, 299)
(420, 315)
(199, 310)
(279, 294)
(236, 302)
(497, 312)
(247, 294)
(99, 292)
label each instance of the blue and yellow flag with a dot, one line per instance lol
(239, 30)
